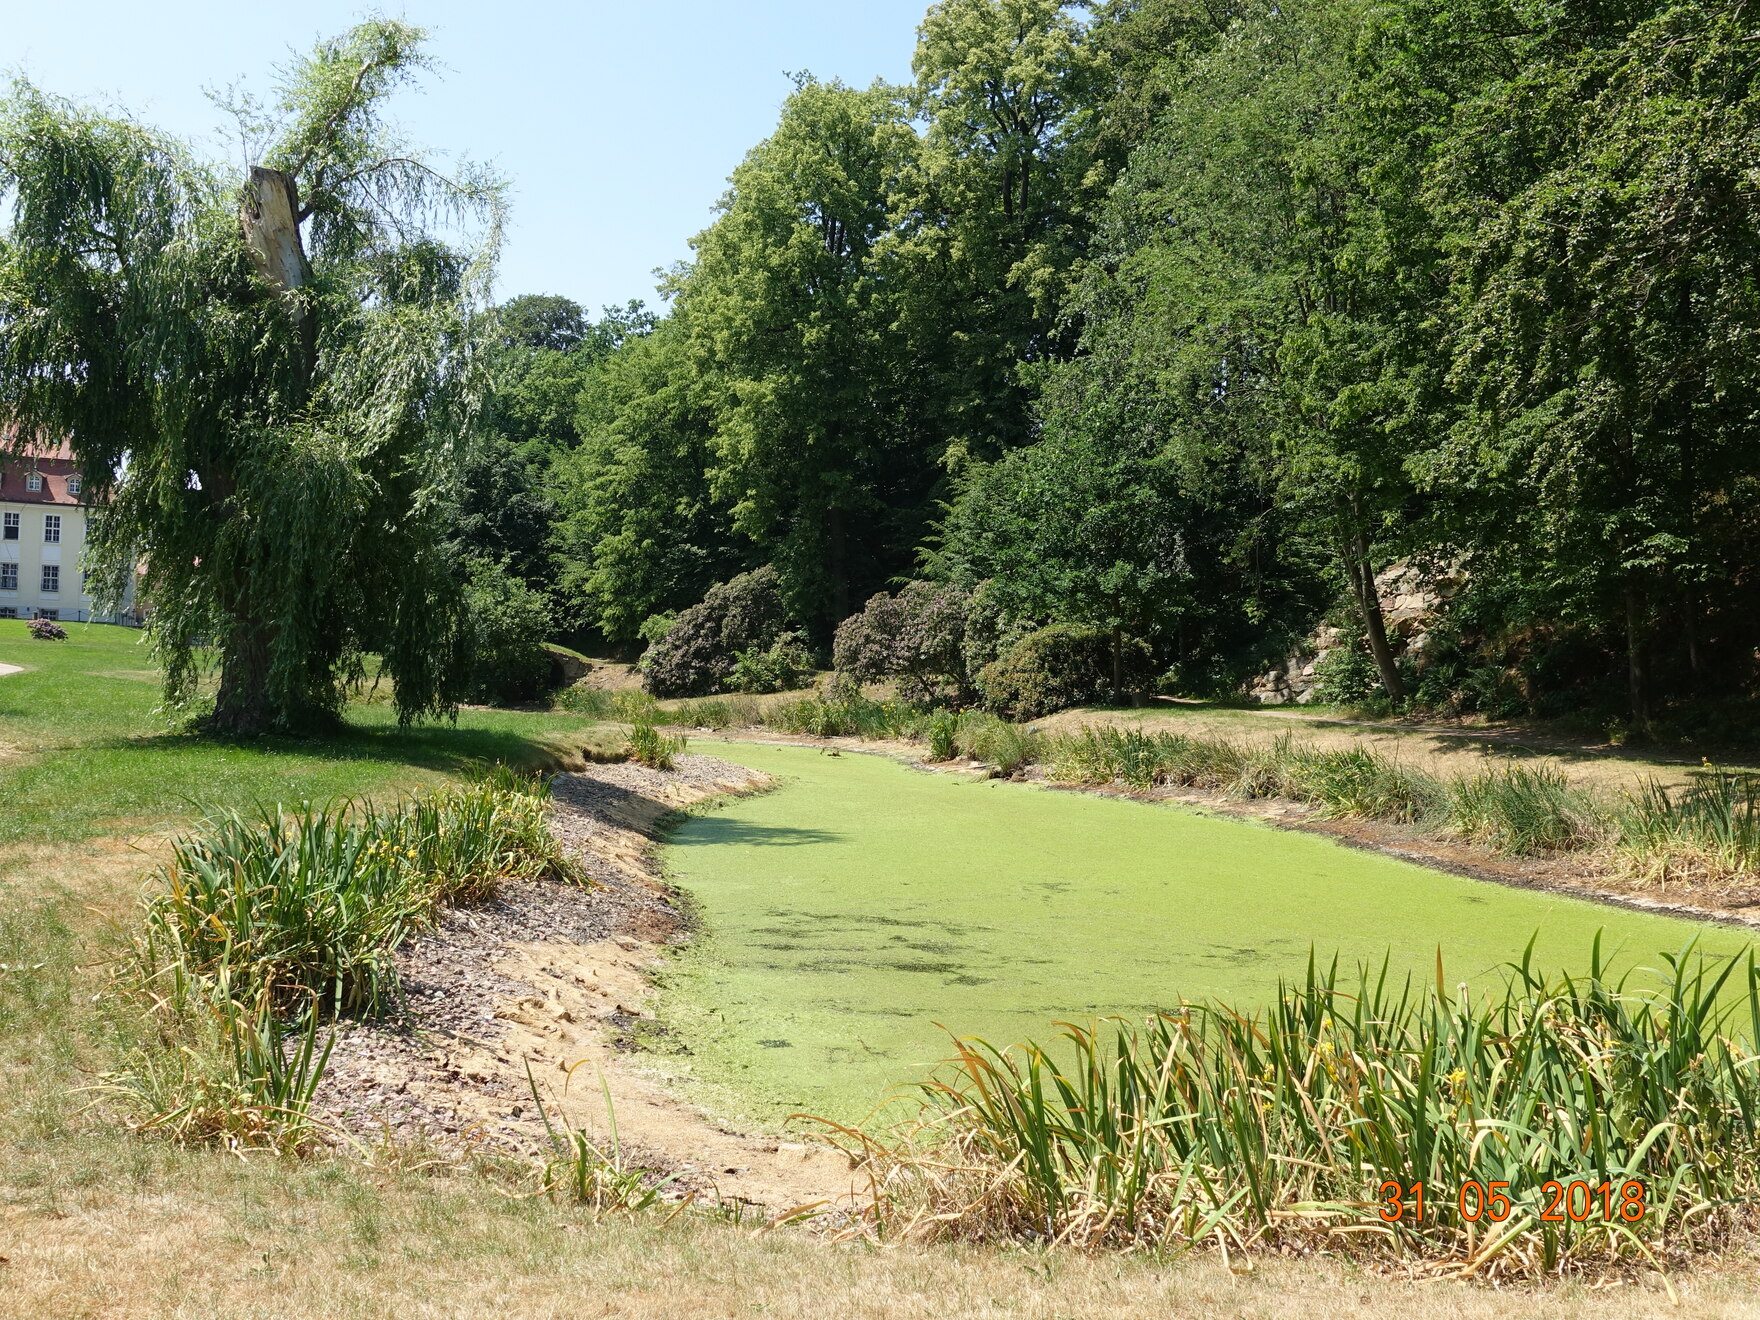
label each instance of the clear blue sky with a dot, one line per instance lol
(616, 123)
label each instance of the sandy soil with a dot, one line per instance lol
(546, 985)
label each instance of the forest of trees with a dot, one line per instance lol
(1183, 318)
(1169, 323)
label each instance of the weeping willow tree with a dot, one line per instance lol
(262, 372)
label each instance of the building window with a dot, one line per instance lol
(8, 577)
(74, 485)
(8, 612)
(50, 615)
(52, 578)
(51, 528)
(34, 481)
(10, 532)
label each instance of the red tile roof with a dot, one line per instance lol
(53, 463)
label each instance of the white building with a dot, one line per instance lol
(42, 536)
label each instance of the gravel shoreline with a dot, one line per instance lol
(391, 1078)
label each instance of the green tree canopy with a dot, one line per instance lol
(263, 378)
(787, 314)
(1600, 181)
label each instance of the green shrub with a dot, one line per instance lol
(697, 654)
(786, 665)
(1065, 665)
(991, 628)
(509, 624)
(916, 636)
(653, 748)
(656, 626)
(1347, 675)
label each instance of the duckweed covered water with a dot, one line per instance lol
(863, 902)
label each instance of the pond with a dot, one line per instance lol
(852, 914)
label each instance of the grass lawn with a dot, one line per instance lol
(83, 751)
(865, 902)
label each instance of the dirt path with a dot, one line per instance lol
(10, 669)
(553, 978)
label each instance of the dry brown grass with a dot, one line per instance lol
(124, 1230)
(1434, 750)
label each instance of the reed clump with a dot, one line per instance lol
(1280, 1129)
(841, 709)
(1709, 830)
(266, 923)
(1706, 832)
(652, 748)
(1524, 810)
(312, 900)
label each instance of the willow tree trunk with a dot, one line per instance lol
(269, 218)
(269, 213)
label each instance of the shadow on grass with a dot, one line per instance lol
(426, 747)
(88, 786)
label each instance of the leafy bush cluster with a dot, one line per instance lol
(1065, 665)
(46, 630)
(786, 665)
(509, 624)
(1347, 674)
(947, 645)
(916, 636)
(699, 654)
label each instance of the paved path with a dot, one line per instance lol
(10, 669)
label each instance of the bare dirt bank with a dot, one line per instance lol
(552, 978)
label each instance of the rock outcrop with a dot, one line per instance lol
(1412, 599)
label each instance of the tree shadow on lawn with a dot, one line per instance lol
(436, 747)
(72, 791)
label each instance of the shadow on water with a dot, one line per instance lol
(708, 830)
